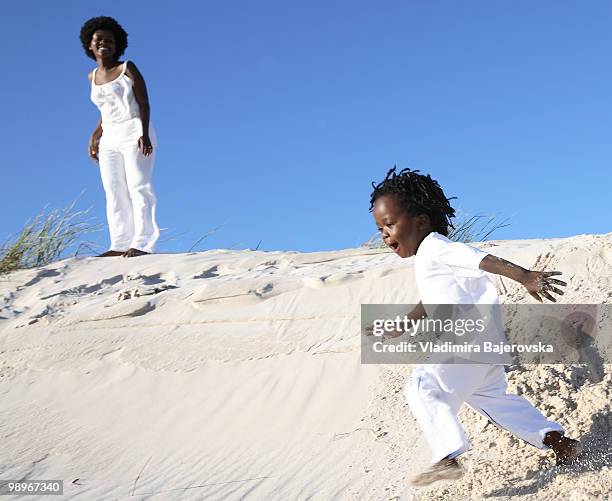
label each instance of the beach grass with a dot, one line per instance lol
(476, 228)
(466, 229)
(50, 235)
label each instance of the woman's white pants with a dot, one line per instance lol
(435, 393)
(130, 199)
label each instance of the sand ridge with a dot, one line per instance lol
(236, 375)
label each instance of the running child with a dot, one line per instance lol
(413, 215)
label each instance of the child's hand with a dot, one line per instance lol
(539, 283)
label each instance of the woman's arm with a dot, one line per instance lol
(94, 142)
(536, 282)
(142, 98)
(94, 139)
(98, 130)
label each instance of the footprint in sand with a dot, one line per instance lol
(219, 270)
(124, 309)
(49, 313)
(234, 293)
(40, 275)
(212, 272)
(81, 290)
(134, 292)
(156, 279)
(147, 285)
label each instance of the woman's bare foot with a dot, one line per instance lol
(446, 469)
(131, 252)
(567, 450)
(110, 253)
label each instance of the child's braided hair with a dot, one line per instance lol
(418, 194)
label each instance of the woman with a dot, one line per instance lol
(124, 142)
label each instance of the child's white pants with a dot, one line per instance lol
(130, 199)
(435, 394)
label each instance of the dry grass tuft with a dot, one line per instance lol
(47, 237)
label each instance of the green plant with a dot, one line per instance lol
(46, 237)
(474, 229)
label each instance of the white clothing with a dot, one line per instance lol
(448, 273)
(130, 199)
(119, 109)
(125, 171)
(435, 393)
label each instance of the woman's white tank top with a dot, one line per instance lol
(119, 109)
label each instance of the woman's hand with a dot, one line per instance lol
(94, 146)
(539, 283)
(145, 146)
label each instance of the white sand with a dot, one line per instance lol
(232, 375)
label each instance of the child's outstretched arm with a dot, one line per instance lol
(537, 283)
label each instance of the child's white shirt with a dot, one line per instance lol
(448, 272)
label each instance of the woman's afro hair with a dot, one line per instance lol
(418, 194)
(107, 24)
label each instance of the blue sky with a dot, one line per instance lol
(274, 117)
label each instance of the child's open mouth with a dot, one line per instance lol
(394, 246)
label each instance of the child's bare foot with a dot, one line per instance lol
(446, 469)
(110, 253)
(566, 449)
(131, 252)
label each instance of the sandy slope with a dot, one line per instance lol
(231, 375)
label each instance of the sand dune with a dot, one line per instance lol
(236, 374)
